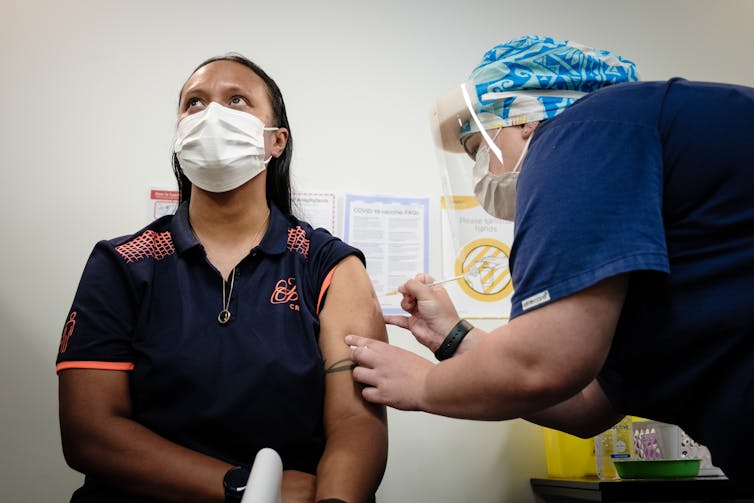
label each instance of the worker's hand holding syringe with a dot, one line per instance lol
(432, 314)
(394, 375)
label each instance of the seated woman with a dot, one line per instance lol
(218, 331)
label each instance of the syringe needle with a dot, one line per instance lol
(440, 282)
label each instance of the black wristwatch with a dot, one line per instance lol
(453, 340)
(235, 483)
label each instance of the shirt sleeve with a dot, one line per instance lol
(589, 207)
(97, 331)
(327, 252)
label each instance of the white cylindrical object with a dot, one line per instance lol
(265, 479)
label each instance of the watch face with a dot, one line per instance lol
(236, 479)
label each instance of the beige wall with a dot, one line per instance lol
(89, 90)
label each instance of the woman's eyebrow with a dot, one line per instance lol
(235, 88)
(191, 91)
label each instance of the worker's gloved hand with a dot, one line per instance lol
(432, 312)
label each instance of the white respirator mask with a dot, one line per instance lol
(219, 149)
(496, 193)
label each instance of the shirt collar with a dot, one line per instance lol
(276, 237)
(180, 229)
(273, 242)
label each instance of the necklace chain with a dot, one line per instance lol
(224, 316)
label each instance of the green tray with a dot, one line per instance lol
(657, 468)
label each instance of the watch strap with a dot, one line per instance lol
(235, 482)
(453, 340)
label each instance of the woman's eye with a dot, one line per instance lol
(238, 100)
(193, 103)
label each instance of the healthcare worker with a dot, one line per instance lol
(632, 258)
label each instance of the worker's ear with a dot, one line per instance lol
(528, 129)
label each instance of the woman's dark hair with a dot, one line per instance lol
(278, 169)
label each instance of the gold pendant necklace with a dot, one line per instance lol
(224, 316)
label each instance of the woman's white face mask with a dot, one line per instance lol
(496, 193)
(219, 149)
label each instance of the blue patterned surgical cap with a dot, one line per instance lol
(533, 78)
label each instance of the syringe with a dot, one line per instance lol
(447, 280)
(488, 263)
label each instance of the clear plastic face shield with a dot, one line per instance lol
(476, 245)
(449, 116)
(469, 141)
(480, 155)
(464, 142)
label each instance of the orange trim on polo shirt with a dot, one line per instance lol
(94, 365)
(325, 286)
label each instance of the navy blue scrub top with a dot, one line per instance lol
(655, 179)
(149, 303)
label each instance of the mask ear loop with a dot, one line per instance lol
(269, 129)
(523, 154)
(490, 143)
(497, 133)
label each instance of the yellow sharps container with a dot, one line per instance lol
(569, 456)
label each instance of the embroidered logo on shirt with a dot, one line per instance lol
(535, 300)
(285, 292)
(147, 244)
(297, 241)
(67, 332)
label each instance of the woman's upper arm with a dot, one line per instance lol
(356, 451)
(351, 307)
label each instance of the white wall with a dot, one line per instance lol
(88, 97)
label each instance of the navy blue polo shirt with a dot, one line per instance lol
(149, 303)
(655, 179)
